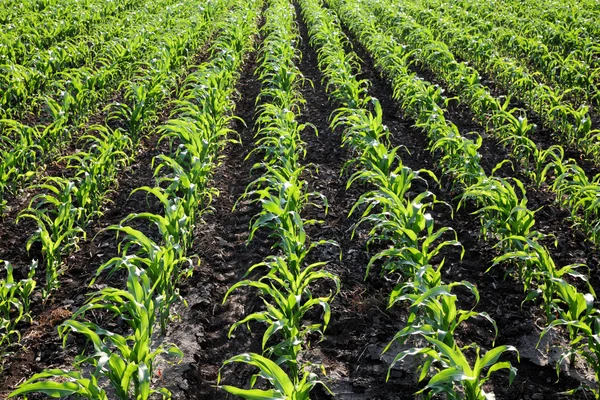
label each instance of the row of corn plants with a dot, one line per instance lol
(199, 129)
(25, 148)
(100, 32)
(285, 280)
(503, 211)
(565, 27)
(573, 189)
(66, 205)
(400, 222)
(571, 122)
(15, 297)
(27, 85)
(571, 73)
(29, 29)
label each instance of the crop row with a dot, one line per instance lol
(402, 225)
(156, 267)
(25, 148)
(286, 280)
(573, 188)
(504, 217)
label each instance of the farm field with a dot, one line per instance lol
(353, 199)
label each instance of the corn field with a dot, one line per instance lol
(309, 199)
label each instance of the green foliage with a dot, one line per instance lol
(15, 299)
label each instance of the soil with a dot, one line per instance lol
(361, 323)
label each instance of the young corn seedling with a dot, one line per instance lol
(584, 332)
(459, 157)
(284, 388)
(502, 213)
(537, 163)
(126, 360)
(569, 305)
(433, 310)
(287, 297)
(14, 304)
(165, 264)
(175, 226)
(58, 218)
(286, 293)
(513, 126)
(580, 194)
(96, 170)
(453, 369)
(140, 110)
(281, 195)
(361, 127)
(536, 266)
(72, 383)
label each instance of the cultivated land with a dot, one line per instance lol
(355, 199)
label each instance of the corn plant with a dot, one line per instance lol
(283, 387)
(453, 369)
(125, 360)
(96, 169)
(459, 157)
(580, 194)
(538, 163)
(287, 297)
(501, 211)
(433, 310)
(536, 266)
(583, 332)
(57, 217)
(14, 304)
(139, 109)
(164, 263)
(73, 383)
